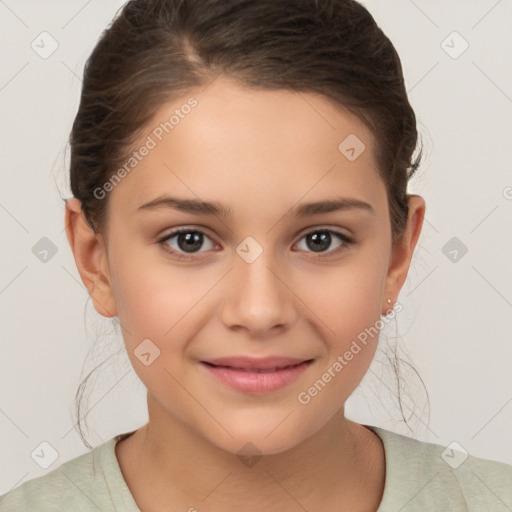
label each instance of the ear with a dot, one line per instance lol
(90, 258)
(402, 251)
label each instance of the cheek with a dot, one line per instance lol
(347, 301)
(151, 296)
(346, 298)
(161, 303)
(154, 308)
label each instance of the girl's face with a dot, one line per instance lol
(264, 274)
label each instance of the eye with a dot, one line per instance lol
(185, 241)
(321, 239)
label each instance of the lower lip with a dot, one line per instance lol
(257, 382)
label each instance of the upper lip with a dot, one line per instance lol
(252, 363)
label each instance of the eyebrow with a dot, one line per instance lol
(199, 207)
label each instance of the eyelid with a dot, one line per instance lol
(332, 229)
(186, 228)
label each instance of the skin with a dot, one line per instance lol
(260, 153)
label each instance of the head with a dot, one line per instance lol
(243, 113)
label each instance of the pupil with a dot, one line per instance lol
(193, 240)
(321, 240)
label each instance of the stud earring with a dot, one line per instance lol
(389, 301)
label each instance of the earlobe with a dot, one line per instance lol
(403, 249)
(90, 258)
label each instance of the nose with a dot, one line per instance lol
(258, 298)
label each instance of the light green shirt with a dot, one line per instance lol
(420, 477)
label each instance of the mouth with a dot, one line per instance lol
(256, 376)
(256, 370)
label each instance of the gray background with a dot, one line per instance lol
(455, 327)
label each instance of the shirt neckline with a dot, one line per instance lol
(122, 497)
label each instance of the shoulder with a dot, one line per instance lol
(90, 482)
(50, 491)
(428, 476)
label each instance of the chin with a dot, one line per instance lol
(254, 442)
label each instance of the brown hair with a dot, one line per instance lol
(155, 50)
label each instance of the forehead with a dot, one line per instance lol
(231, 143)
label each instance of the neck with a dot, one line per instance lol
(342, 461)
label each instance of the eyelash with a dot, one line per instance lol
(190, 256)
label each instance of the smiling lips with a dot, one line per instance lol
(253, 375)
